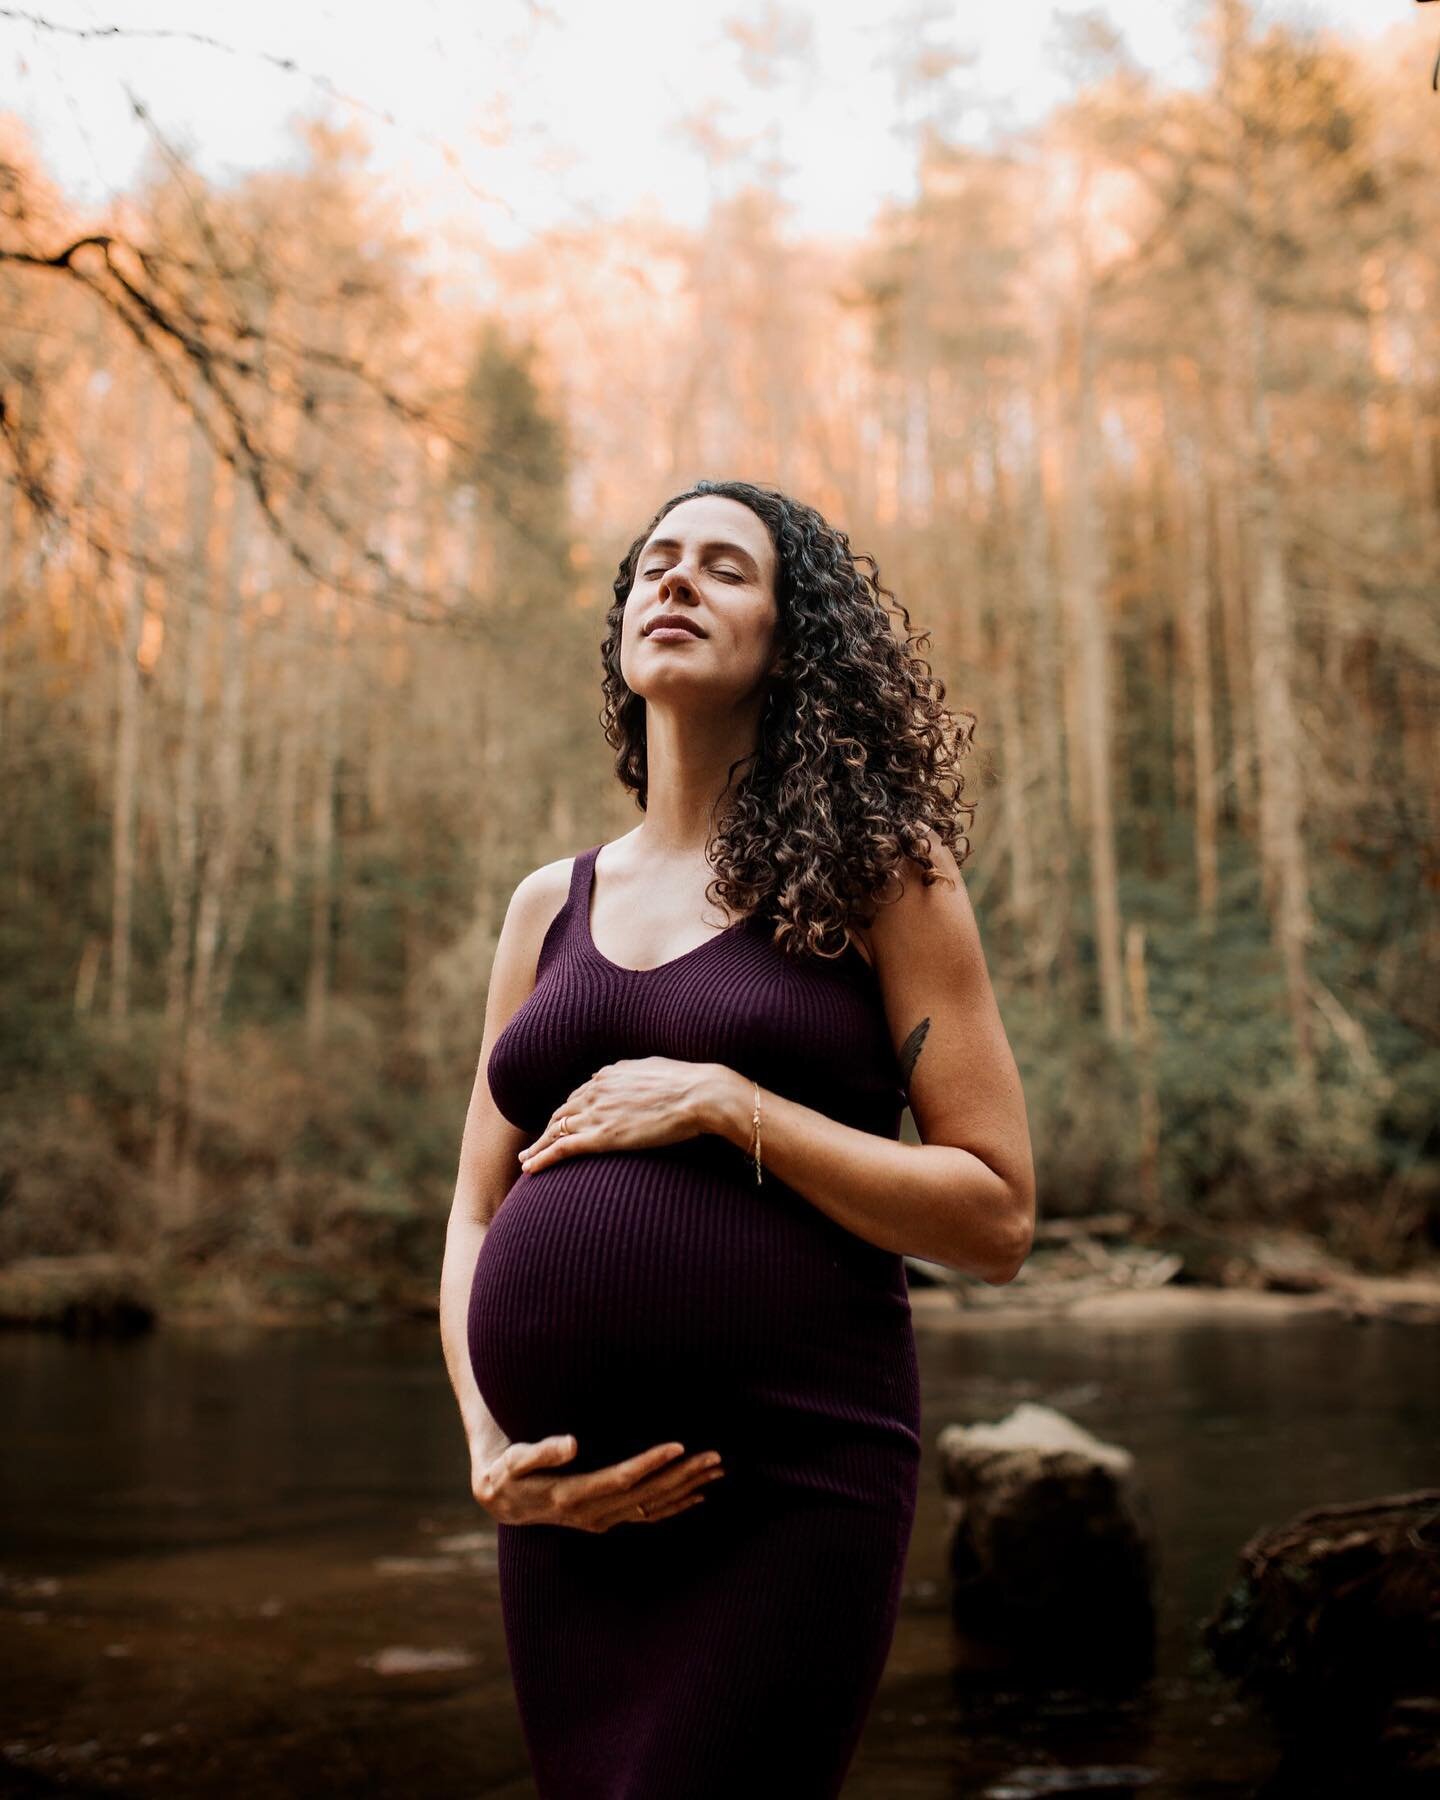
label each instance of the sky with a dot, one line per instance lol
(591, 98)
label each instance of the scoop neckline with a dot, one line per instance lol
(587, 894)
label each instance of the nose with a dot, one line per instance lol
(677, 576)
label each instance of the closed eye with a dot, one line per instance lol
(734, 574)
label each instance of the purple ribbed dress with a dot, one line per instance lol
(634, 1297)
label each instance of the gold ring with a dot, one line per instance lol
(643, 1513)
(564, 1125)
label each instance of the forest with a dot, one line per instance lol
(304, 559)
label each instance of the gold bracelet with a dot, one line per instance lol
(755, 1122)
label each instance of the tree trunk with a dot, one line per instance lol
(128, 711)
(1284, 878)
(1193, 615)
(222, 894)
(325, 718)
(1082, 586)
(173, 1170)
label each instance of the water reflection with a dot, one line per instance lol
(247, 1558)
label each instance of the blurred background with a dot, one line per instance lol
(343, 352)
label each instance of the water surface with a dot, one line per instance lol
(241, 1560)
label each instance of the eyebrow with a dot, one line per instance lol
(714, 544)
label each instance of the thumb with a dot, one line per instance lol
(550, 1450)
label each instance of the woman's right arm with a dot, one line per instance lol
(490, 1145)
(527, 1483)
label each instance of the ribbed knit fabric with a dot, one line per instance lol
(636, 1297)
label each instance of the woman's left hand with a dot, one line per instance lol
(626, 1105)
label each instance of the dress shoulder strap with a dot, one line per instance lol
(570, 919)
(580, 874)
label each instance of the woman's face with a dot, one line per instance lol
(710, 563)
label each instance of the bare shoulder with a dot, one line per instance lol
(925, 913)
(914, 922)
(937, 993)
(490, 1141)
(536, 899)
(541, 893)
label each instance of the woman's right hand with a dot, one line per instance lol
(517, 1488)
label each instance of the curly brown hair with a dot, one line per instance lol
(856, 763)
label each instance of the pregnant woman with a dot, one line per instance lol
(674, 1305)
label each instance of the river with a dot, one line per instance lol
(240, 1561)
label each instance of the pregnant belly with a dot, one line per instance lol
(633, 1296)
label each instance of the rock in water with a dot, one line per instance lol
(1052, 1554)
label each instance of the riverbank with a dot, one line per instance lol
(1077, 1269)
(1414, 1298)
(1102, 1267)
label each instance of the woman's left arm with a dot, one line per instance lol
(965, 1195)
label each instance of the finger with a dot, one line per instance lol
(670, 1508)
(665, 1488)
(618, 1478)
(667, 1509)
(552, 1128)
(661, 1494)
(520, 1458)
(683, 1478)
(659, 1501)
(562, 1143)
(541, 1159)
(570, 1112)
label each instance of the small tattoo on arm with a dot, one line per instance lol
(910, 1050)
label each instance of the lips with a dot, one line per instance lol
(674, 622)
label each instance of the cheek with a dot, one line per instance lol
(762, 630)
(627, 639)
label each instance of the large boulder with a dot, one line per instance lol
(1052, 1549)
(1332, 1622)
